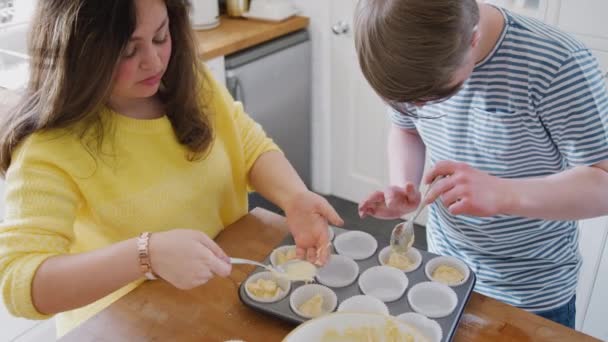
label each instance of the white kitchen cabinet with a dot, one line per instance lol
(595, 322)
(586, 21)
(583, 17)
(358, 116)
(602, 57)
(44, 331)
(593, 243)
(531, 8)
(23, 330)
(321, 129)
(218, 69)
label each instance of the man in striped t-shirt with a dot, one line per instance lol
(515, 114)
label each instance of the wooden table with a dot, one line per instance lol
(156, 311)
(233, 35)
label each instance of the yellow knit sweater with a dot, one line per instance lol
(60, 200)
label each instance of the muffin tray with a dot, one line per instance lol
(419, 279)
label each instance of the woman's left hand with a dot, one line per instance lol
(468, 191)
(308, 215)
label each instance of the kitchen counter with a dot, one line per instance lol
(233, 35)
(156, 311)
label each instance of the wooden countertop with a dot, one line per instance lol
(156, 311)
(233, 35)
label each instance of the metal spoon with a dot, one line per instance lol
(279, 268)
(402, 236)
(240, 261)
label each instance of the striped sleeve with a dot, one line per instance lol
(400, 120)
(574, 110)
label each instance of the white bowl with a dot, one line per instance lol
(383, 282)
(363, 303)
(282, 249)
(284, 284)
(413, 254)
(306, 292)
(458, 264)
(427, 327)
(339, 271)
(314, 330)
(432, 299)
(356, 244)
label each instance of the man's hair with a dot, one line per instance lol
(409, 50)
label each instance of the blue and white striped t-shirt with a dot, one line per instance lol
(536, 106)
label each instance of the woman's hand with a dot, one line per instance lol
(308, 215)
(390, 204)
(187, 258)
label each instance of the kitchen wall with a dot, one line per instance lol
(320, 31)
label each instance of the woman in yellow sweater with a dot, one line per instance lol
(125, 159)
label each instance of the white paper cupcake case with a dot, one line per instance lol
(413, 254)
(363, 304)
(432, 299)
(284, 284)
(356, 244)
(383, 282)
(427, 327)
(305, 292)
(282, 249)
(458, 264)
(340, 271)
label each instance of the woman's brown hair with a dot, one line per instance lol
(409, 49)
(75, 46)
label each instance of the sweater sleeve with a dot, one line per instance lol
(41, 202)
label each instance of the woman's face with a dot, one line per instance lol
(145, 59)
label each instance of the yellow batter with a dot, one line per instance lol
(298, 270)
(264, 288)
(389, 333)
(447, 275)
(399, 261)
(312, 307)
(283, 257)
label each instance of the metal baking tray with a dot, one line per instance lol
(283, 311)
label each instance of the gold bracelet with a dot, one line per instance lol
(143, 252)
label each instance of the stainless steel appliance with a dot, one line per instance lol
(273, 80)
